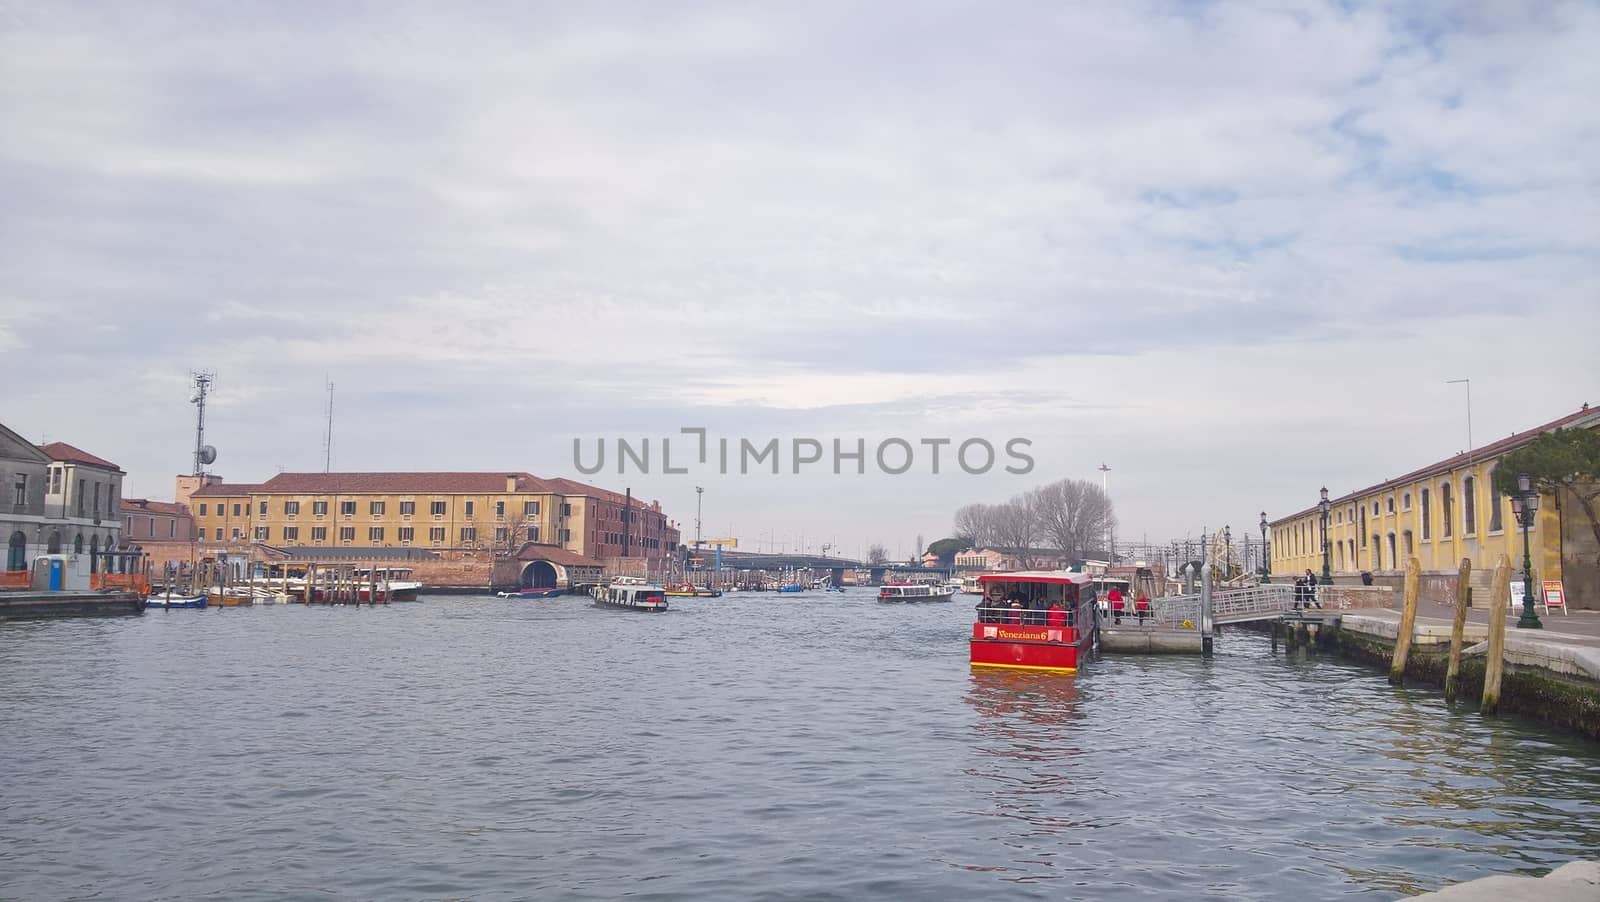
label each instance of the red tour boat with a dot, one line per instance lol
(1034, 620)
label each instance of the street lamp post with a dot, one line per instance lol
(1525, 505)
(1327, 560)
(1266, 552)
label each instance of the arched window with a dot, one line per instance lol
(1341, 555)
(1394, 559)
(1411, 545)
(1469, 505)
(17, 551)
(1426, 533)
(1446, 509)
(77, 544)
(54, 544)
(1377, 553)
(94, 547)
(1497, 503)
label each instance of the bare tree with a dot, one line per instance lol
(975, 523)
(1018, 526)
(1075, 515)
(510, 534)
(877, 554)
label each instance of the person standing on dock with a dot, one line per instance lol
(1311, 590)
(1141, 607)
(1117, 604)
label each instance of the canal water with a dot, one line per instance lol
(748, 747)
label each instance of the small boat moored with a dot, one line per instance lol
(532, 593)
(175, 601)
(689, 590)
(631, 592)
(393, 583)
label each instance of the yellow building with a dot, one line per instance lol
(1440, 514)
(439, 511)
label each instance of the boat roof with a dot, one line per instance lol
(1067, 577)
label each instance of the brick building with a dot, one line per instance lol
(458, 516)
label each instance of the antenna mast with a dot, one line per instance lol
(203, 453)
(327, 435)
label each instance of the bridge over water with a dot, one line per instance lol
(778, 563)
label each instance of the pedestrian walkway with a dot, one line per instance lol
(1581, 627)
(1568, 645)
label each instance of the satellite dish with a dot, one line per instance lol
(208, 455)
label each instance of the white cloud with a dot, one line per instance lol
(1114, 225)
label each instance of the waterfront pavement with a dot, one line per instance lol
(1578, 627)
(1568, 644)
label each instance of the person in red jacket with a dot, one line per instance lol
(1141, 607)
(1055, 617)
(1117, 604)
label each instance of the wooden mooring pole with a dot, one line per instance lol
(1452, 674)
(1499, 597)
(1408, 622)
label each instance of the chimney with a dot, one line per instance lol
(511, 483)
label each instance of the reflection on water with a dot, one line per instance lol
(749, 746)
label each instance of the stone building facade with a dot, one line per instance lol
(441, 512)
(58, 499)
(1441, 513)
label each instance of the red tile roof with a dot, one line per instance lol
(491, 483)
(1583, 416)
(146, 506)
(488, 483)
(61, 451)
(225, 490)
(555, 555)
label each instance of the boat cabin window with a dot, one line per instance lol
(1001, 599)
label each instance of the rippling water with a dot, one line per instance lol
(746, 747)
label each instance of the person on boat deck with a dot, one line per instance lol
(1117, 604)
(1141, 607)
(1014, 615)
(1055, 616)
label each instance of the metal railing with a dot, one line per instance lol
(1267, 602)
(1181, 612)
(1227, 606)
(1253, 603)
(1007, 615)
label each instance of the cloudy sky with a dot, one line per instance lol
(1231, 250)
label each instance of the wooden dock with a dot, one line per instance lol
(45, 605)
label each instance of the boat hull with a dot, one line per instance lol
(916, 599)
(176, 601)
(632, 605)
(1053, 649)
(532, 593)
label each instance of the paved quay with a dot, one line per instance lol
(1569, 644)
